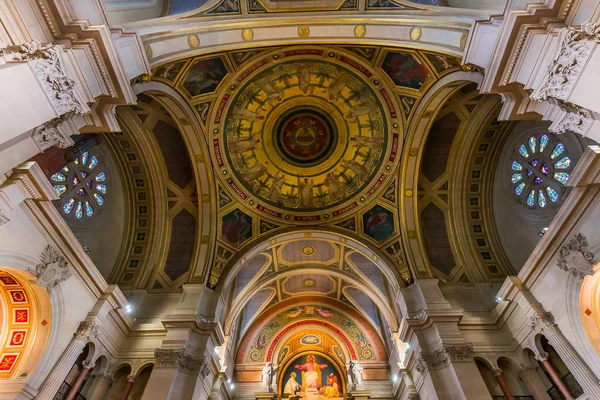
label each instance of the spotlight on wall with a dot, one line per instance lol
(542, 231)
(128, 308)
(499, 299)
(231, 386)
(394, 378)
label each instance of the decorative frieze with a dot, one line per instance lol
(460, 352)
(169, 358)
(88, 329)
(437, 360)
(572, 119)
(574, 258)
(188, 365)
(575, 48)
(166, 358)
(50, 134)
(52, 269)
(541, 321)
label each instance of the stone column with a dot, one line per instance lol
(503, 385)
(534, 384)
(128, 387)
(87, 366)
(543, 358)
(162, 374)
(62, 367)
(544, 323)
(186, 376)
(99, 387)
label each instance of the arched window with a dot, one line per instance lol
(540, 170)
(81, 186)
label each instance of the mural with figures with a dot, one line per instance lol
(312, 376)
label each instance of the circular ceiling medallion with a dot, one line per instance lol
(308, 250)
(309, 282)
(305, 134)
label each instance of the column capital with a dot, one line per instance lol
(166, 358)
(56, 132)
(497, 372)
(131, 378)
(433, 361)
(459, 352)
(541, 320)
(542, 356)
(88, 364)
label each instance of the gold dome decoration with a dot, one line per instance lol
(305, 134)
(303, 31)
(360, 31)
(194, 41)
(308, 250)
(309, 283)
(247, 35)
(415, 33)
(408, 193)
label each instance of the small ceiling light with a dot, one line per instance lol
(408, 345)
(128, 308)
(232, 386)
(499, 299)
(395, 378)
(542, 231)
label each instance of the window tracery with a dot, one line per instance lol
(540, 170)
(81, 186)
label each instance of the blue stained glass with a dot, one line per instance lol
(99, 199)
(81, 192)
(541, 199)
(534, 163)
(537, 181)
(84, 157)
(83, 174)
(516, 178)
(101, 188)
(532, 144)
(89, 183)
(516, 166)
(60, 189)
(563, 163)
(544, 169)
(519, 188)
(101, 177)
(58, 177)
(79, 211)
(558, 150)
(68, 207)
(65, 169)
(562, 177)
(529, 173)
(543, 143)
(89, 211)
(76, 161)
(531, 198)
(75, 181)
(552, 194)
(523, 151)
(93, 162)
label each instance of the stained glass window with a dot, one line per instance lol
(81, 186)
(540, 170)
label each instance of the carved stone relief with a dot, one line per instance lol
(166, 358)
(52, 269)
(437, 360)
(574, 258)
(460, 352)
(50, 134)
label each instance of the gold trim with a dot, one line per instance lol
(247, 35)
(303, 31)
(360, 31)
(194, 41)
(415, 33)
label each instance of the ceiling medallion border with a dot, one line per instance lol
(227, 107)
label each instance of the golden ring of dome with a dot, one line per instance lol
(269, 136)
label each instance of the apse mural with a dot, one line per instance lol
(236, 227)
(204, 76)
(312, 376)
(378, 223)
(169, 71)
(405, 69)
(442, 62)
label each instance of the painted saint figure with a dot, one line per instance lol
(312, 376)
(334, 187)
(303, 79)
(275, 192)
(355, 167)
(333, 388)
(305, 192)
(237, 228)
(368, 142)
(274, 94)
(362, 108)
(334, 91)
(243, 144)
(291, 386)
(255, 172)
(245, 114)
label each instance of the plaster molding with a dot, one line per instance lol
(574, 258)
(52, 134)
(52, 269)
(568, 117)
(574, 50)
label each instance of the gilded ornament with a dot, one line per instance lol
(415, 33)
(309, 283)
(360, 31)
(193, 41)
(412, 235)
(205, 198)
(204, 239)
(308, 250)
(408, 193)
(247, 35)
(413, 152)
(303, 31)
(199, 158)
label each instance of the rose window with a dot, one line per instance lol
(540, 171)
(81, 186)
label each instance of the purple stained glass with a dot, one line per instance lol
(83, 174)
(538, 181)
(544, 169)
(74, 180)
(81, 192)
(529, 173)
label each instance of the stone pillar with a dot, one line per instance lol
(162, 374)
(62, 367)
(87, 366)
(503, 385)
(99, 387)
(544, 323)
(554, 376)
(186, 375)
(534, 384)
(128, 387)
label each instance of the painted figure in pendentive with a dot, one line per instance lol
(333, 388)
(305, 191)
(255, 172)
(303, 79)
(334, 187)
(334, 91)
(245, 114)
(355, 167)
(274, 94)
(275, 192)
(362, 108)
(237, 229)
(369, 142)
(292, 385)
(243, 144)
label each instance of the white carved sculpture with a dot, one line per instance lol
(574, 257)
(52, 269)
(268, 373)
(354, 371)
(51, 134)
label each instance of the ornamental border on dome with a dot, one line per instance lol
(539, 171)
